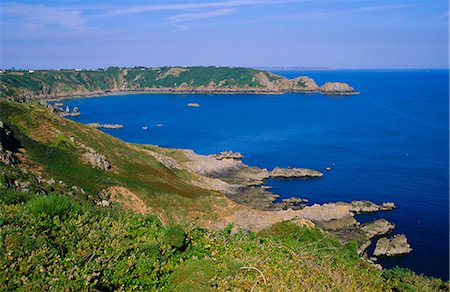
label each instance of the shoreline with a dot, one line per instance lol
(191, 92)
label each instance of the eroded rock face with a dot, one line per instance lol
(304, 84)
(278, 172)
(228, 155)
(325, 212)
(337, 88)
(391, 247)
(8, 145)
(377, 228)
(105, 126)
(291, 203)
(95, 159)
(369, 207)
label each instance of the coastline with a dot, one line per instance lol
(190, 92)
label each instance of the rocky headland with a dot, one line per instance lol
(244, 185)
(56, 84)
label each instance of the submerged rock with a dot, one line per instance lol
(391, 247)
(278, 172)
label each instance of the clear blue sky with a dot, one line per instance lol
(331, 33)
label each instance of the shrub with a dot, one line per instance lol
(401, 279)
(10, 197)
(175, 236)
(52, 205)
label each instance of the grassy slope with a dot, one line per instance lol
(55, 241)
(51, 82)
(44, 247)
(46, 139)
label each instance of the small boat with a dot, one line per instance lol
(144, 128)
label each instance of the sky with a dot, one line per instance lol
(251, 33)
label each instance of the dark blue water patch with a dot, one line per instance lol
(390, 143)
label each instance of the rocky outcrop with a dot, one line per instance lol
(337, 88)
(289, 172)
(9, 145)
(97, 160)
(174, 71)
(105, 126)
(228, 155)
(377, 228)
(243, 186)
(304, 84)
(93, 158)
(291, 203)
(390, 247)
(358, 207)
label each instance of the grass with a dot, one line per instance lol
(52, 205)
(81, 248)
(64, 82)
(53, 237)
(47, 140)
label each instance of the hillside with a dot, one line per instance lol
(109, 223)
(63, 83)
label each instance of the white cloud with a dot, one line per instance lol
(201, 15)
(196, 5)
(37, 16)
(335, 12)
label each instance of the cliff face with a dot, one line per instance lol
(61, 83)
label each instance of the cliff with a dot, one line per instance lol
(63, 83)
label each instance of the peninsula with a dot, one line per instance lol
(211, 80)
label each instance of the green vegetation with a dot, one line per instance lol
(49, 148)
(83, 248)
(54, 237)
(71, 82)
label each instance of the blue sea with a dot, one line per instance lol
(390, 143)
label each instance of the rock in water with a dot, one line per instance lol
(105, 126)
(377, 228)
(304, 84)
(193, 104)
(278, 172)
(391, 247)
(337, 88)
(369, 207)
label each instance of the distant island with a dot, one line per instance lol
(29, 84)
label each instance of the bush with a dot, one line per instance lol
(175, 236)
(10, 197)
(52, 205)
(401, 279)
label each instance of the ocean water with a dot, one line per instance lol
(390, 143)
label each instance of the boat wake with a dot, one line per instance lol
(388, 108)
